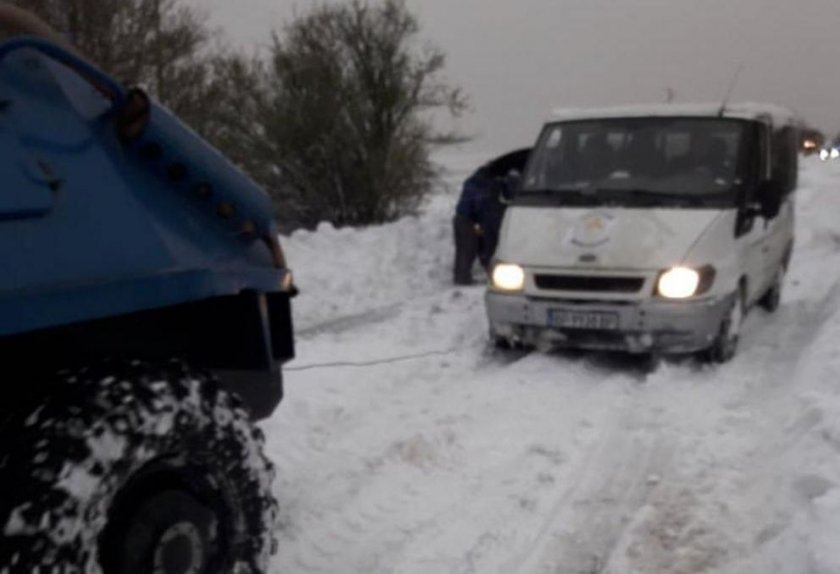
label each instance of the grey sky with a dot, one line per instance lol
(518, 59)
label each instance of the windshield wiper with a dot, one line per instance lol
(568, 196)
(560, 191)
(652, 197)
(616, 197)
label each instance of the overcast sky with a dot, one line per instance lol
(519, 59)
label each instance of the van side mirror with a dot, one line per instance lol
(511, 185)
(770, 194)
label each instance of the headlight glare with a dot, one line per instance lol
(508, 277)
(835, 153)
(823, 154)
(678, 283)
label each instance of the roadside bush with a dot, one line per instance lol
(338, 122)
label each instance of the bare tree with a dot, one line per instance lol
(337, 122)
(160, 44)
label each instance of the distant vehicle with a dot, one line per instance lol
(647, 229)
(812, 140)
(831, 151)
(809, 146)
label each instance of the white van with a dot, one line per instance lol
(647, 229)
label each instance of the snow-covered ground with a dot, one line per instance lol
(405, 446)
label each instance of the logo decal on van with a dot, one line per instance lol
(593, 230)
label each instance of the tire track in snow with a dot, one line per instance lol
(589, 519)
(591, 511)
(706, 519)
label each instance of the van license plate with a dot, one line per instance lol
(565, 319)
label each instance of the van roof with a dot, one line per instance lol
(777, 115)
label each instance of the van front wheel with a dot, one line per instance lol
(726, 343)
(771, 300)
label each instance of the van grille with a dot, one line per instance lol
(589, 283)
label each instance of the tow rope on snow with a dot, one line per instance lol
(375, 362)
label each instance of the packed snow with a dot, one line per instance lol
(405, 445)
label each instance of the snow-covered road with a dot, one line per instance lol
(414, 449)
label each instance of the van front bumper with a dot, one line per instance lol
(660, 326)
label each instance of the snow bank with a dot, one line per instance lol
(813, 450)
(344, 273)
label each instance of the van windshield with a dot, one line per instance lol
(652, 162)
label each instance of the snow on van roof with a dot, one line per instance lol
(778, 115)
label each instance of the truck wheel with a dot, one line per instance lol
(726, 343)
(771, 300)
(130, 469)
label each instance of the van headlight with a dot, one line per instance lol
(824, 154)
(508, 277)
(684, 282)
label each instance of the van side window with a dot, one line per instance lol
(677, 145)
(548, 160)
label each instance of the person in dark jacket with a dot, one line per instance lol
(490, 221)
(478, 216)
(480, 210)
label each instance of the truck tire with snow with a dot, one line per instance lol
(131, 468)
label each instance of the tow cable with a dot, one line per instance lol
(376, 362)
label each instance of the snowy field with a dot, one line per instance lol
(404, 445)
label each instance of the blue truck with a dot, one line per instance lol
(144, 318)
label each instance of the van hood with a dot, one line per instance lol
(617, 238)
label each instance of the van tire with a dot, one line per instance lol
(771, 300)
(725, 345)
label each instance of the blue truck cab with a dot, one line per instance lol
(123, 233)
(144, 318)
